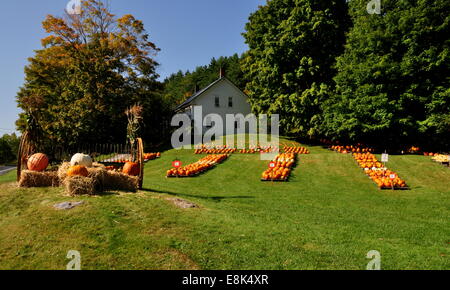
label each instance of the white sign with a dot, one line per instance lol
(385, 157)
(393, 176)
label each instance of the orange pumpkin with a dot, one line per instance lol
(78, 170)
(37, 162)
(131, 168)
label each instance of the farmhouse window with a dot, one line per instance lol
(217, 101)
(230, 102)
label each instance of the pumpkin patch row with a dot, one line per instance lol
(215, 151)
(296, 150)
(198, 167)
(280, 168)
(367, 160)
(384, 178)
(441, 158)
(351, 149)
(224, 149)
(151, 156)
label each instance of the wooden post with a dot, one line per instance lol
(140, 155)
(25, 150)
(19, 156)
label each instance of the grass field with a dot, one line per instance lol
(329, 216)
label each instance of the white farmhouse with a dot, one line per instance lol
(221, 97)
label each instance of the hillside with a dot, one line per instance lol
(328, 216)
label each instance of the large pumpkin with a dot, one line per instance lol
(81, 159)
(131, 168)
(78, 170)
(37, 162)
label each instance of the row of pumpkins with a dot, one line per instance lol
(79, 164)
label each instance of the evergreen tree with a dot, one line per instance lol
(393, 81)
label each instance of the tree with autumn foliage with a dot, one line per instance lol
(92, 66)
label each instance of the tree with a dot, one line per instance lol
(393, 84)
(9, 145)
(91, 68)
(293, 46)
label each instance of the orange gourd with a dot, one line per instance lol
(37, 162)
(78, 170)
(131, 168)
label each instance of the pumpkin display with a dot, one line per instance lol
(225, 149)
(383, 177)
(151, 156)
(38, 162)
(281, 167)
(81, 159)
(131, 168)
(198, 167)
(441, 158)
(367, 160)
(297, 150)
(359, 148)
(78, 170)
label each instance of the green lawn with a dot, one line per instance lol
(329, 216)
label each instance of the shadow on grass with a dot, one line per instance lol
(108, 193)
(213, 198)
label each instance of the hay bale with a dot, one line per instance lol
(62, 171)
(38, 179)
(121, 181)
(79, 185)
(98, 180)
(98, 174)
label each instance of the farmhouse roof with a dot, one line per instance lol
(188, 102)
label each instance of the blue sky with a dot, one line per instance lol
(189, 33)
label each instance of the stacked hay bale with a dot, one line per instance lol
(30, 178)
(121, 181)
(82, 185)
(98, 180)
(36, 174)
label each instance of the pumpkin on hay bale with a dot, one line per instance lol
(65, 167)
(38, 162)
(131, 168)
(30, 178)
(101, 179)
(81, 159)
(77, 170)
